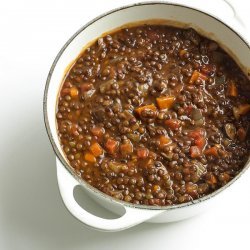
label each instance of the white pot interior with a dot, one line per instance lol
(173, 13)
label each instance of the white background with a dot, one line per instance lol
(32, 215)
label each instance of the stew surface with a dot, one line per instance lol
(155, 115)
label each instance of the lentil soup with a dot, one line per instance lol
(155, 115)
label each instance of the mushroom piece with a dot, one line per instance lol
(196, 115)
(230, 130)
(200, 168)
(117, 166)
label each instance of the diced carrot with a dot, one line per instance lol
(86, 87)
(111, 146)
(232, 90)
(126, 148)
(165, 102)
(212, 151)
(197, 133)
(182, 52)
(241, 133)
(173, 124)
(97, 131)
(197, 75)
(89, 157)
(194, 77)
(142, 153)
(242, 109)
(195, 152)
(140, 109)
(200, 142)
(164, 140)
(74, 92)
(96, 149)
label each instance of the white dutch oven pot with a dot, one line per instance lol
(67, 179)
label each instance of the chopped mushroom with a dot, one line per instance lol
(117, 166)
(230, 130)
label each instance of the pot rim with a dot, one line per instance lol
(65, 163)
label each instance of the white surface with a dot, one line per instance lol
(32, 215)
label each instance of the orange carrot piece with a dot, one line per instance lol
(140, 109)
(197, 133)
(89, 157)
(165, 102)
(212, 151)
(194, 77)
(142, 153)
(197, 75)
(200, 142)
(111, 146)
(164, 140)
(232, 90)
(96, 149)
(173, 123)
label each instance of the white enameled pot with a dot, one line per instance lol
(231, 38)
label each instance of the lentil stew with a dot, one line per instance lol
(155, 115)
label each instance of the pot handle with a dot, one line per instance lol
(228, 10)
(131, 217)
